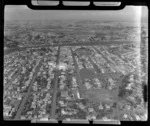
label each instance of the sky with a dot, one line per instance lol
(128, 14)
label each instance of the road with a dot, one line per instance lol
(100, 75)
(117, 101)
(53, 109)
(67, 44)
(20, 109)
(78, 78)
(99, 52)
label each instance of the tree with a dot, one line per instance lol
(123, 92)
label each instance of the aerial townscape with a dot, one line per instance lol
(75, 70)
